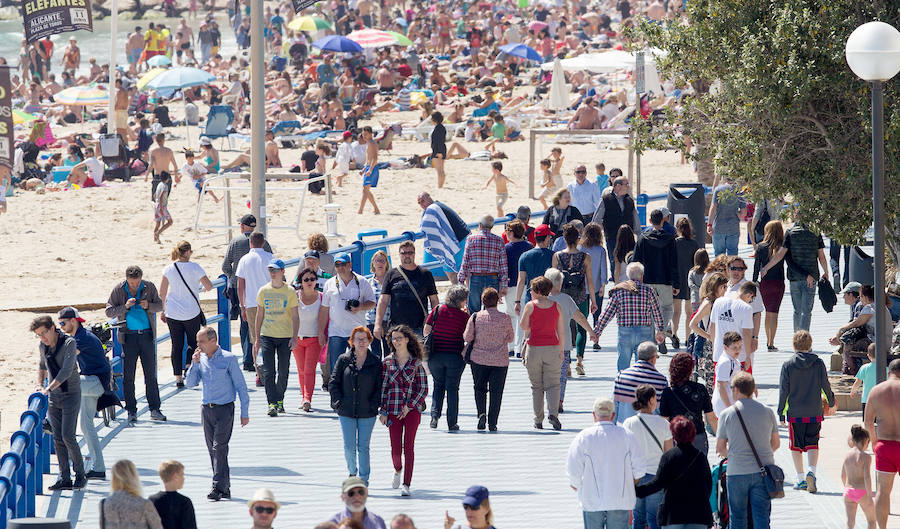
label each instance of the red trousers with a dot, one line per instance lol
(306, 355)
(403, 439)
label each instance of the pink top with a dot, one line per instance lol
(543, 326)
(492, 333)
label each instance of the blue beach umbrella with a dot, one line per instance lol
(178, 78)
(522, 51)
(159, 60)
(337, 43)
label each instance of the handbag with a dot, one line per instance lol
(202, 316)
(468, 350)
(429, 340)
(772, 474)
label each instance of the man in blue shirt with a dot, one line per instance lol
(222, 381)
(534, 263)
(95, 375)
(325, 72)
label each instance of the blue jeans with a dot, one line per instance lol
(803, 298)
(725, 243)
(744, 489)
(623, 411)
(629, 340)
(337, 345)
(645, 508)
(686, 526)
(477, 284)
(605, 519)
(357, 433)
(246, 346)
(205, 53)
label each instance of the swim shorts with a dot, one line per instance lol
(371, 179)
(804, 436)
(887, 456)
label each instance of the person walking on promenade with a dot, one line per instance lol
(770, 275)
(730, 314)
(308, 349)
(345, 301)
(220, 373)
(685, 248)
(688, 398)
(445, 359)
(483, 264)
(585, 193)
(252, 274)
(379, 265)
(532, 264)
(277, 323)
(856, 475)
(803, 381)
(545, 335)
(725, 212)
(263, 508)
(182, 312)
(736, 270)
(355, 389)
(747, 423)
(614, 210)
(654, 436)
(638, 313)
(656, 251)
(403, 392)
(134, 301)
(354, 493)
(627, 380)
(882, 405)
(577, 282)
(514, 232)
(95, 376)
(238, 248)
(561, 212)
(444, 231)
(176, 511)
(683, 476)
(407, 292)
(58, 365)
(489, 330)
(604, 464)
(125, 508)
(804, 253)
(477, 505)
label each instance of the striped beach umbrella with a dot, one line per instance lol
(372, 38)
(83, 95)
(149, 76)
(20, 117)
(308, 23)
(400, 38)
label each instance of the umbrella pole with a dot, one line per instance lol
(187, 129)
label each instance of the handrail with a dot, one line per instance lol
(22, 468)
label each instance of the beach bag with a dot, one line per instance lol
(773, 476)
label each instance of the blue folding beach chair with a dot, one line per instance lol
(218, 121)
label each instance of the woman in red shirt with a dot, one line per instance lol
(403, 392)
(544, 327)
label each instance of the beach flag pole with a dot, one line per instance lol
(257, 116)
(111, 87)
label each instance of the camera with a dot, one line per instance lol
(351, 304)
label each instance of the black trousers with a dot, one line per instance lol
(446, 370)
(139, 346)
(489, 379)
(178, 329)
(270, 347)
(63, 416)
(217, 424)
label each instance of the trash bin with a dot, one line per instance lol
(38, 523)
(862, 267)
(689, 200)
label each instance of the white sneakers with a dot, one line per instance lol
(404, 491)
(398, 476)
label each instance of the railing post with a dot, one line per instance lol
(356, 256)
(641, 202)
(224, 310)
(24, 502)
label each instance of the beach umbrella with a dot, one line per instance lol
(401, 21)
(537, 25)
(401, 39)
(149, 76)
(522, 51)
(20, 117)
(83, 96)
(159, 60)
(308, 23)
(178, 78)
(558, 92)
(372, 38)
(337, 43)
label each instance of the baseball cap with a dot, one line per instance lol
(276, 263)
(312, 254)
(263, 495)
(205, 141)
(248, 220)
(353, 482)
(347, 134)
(475, 495)
(542, 231)
(665, 211)
(523, 213)
(70, 312)
(342, 258)
(852, 286)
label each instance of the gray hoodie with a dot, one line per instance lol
(803, 379)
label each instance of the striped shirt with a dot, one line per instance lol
(635, 309)
(485, 254)
(642, 372)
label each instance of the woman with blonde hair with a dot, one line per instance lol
(561, 212)
(379, 265)
(770, 273)
(182, 281)
(125, 508)
(479, 514)
(319, 243)
(712, 288)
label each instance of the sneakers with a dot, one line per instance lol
(434, 422)
(96, 474)
(398, 476)
(579, 370)
(157, 415)
(811, 482)
(492, 427)
(280, 406)
(800, 485)
(555, 422)
(179, 384)
(662, 348)
(538, 426)
(80, 482)
(771, 348)
(596, 346)
(61, 484)
(404, 491)
(560, 409)
(273, 410)
(132, 417)
(676, 343)
(214, 495)
(453, 428)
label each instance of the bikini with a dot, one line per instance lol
(854, 494)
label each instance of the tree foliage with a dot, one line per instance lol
(778, 109)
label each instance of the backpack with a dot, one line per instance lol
(573, 280)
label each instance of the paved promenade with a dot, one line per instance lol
(299, 455)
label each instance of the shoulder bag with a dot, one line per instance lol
(649, 431)
(468, 350)
(193, 295)
(411, 287)
(429, 340)
(772, 474)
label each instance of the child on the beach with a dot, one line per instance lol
(342, 158)
(196, 171)
(857, 478)
(865, 377)
(161, 212)
(557, 158)
(500, 180)
(546, 183)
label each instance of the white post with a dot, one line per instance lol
(257, 115)
(113, 31)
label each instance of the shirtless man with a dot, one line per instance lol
(587, 116)
(134, 46)
(656, 11)
(369, 172)
(273, 158)
(365, 11)
(882, 404)
(121, 110)
(385, 78)
(162, 159)
(71, 59)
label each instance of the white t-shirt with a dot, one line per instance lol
(729, 314)
(341, 321)
(756, 304)
(309, 317)
(193, 170)
(180, 303)
(94, 169)
(660, 428)
(252, 268)
(343, 157)
(725, 370)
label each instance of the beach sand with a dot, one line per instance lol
(71, 247)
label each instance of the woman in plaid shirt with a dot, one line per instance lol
(403, 392)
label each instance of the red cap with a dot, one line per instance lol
(347, 134)
(542, 231)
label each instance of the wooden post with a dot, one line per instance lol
(328, 188)
(631, 159)
(637, 172)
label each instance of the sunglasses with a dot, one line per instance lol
(309, 279)
(580, 172)
(63, 323)
(471, 508)
(738, 268)
(354, 492)
(267, 510)
(408, 252)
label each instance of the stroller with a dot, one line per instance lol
(116, 156)
(718, 500)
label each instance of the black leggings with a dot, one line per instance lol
(177, 331)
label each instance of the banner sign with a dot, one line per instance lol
(6, 119)
(640, 79)
(300, 5)
(43, 18)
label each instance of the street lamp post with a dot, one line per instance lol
(873, 53)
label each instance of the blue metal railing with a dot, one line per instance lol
(22, 468)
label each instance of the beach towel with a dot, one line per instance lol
(440, 241)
